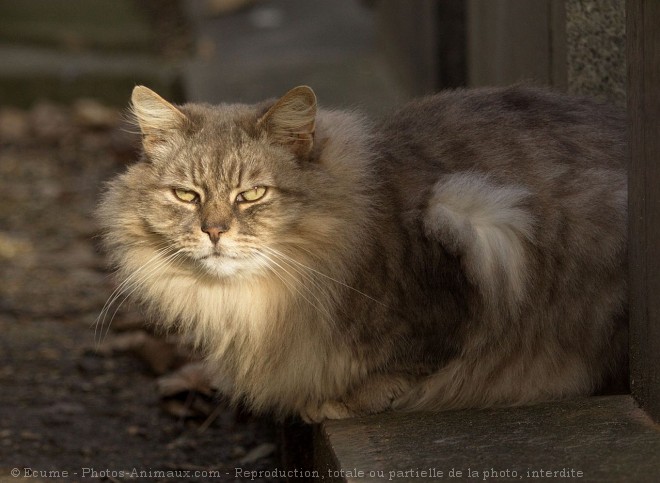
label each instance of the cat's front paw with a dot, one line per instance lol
(315, 413)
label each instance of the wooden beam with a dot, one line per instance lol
(643, 54)
(603, 439)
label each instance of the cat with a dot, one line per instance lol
(467, 251)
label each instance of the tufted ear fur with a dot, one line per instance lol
(157, 119)
(292, 119)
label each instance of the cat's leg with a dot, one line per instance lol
(316, 413)
(372, 396)
(495, 379)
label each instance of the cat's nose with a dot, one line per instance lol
(215, 231)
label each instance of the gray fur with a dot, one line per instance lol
(467, 252)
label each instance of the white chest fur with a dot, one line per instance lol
(262, 341)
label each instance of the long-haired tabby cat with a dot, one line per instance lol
(469, 251)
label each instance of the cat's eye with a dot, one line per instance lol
(186, 196)
(253, 194)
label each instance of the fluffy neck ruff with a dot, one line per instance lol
(271, 339)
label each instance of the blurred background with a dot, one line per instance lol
(368, 53)
(70, 398)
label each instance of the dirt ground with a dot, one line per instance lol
(67, 404)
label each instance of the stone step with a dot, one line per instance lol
(599, 439)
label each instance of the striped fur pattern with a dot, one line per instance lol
(469, 251)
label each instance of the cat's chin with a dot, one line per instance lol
(230, 267)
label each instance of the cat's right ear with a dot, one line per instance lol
(158, 119)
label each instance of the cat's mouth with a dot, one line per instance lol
(218, 256)
(223, 264)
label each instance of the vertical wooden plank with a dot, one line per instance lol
(297, 452)
(452, 70)
(409, 34)
(509, 41)
(558, 45)
(425, 41)
(643, 53)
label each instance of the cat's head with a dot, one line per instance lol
(234, 189)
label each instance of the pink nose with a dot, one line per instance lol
(215, 231)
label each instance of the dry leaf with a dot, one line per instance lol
(191, 377)
(255, 454)
(14, 125)
(178, 409)
(162, 355)
(91, 113)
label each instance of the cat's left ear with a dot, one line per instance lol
(292, 120)
(158, 119)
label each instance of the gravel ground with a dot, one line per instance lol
(66, 403)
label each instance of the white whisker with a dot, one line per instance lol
(136, 285)
(154, 265)
(272, 270)
(120, 287)
(319, 307)
(311, 277)
(277, 252)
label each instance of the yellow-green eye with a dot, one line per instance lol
(253, 194)
(186, 195)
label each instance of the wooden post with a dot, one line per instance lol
(509, 41)
(643, 46)
(425, 42)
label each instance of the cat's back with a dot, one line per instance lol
(527, 187)
(504, 129)
(555, 157)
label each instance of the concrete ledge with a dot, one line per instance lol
(76, 24)
(599, 439)
(61, 50)
(28, 73)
